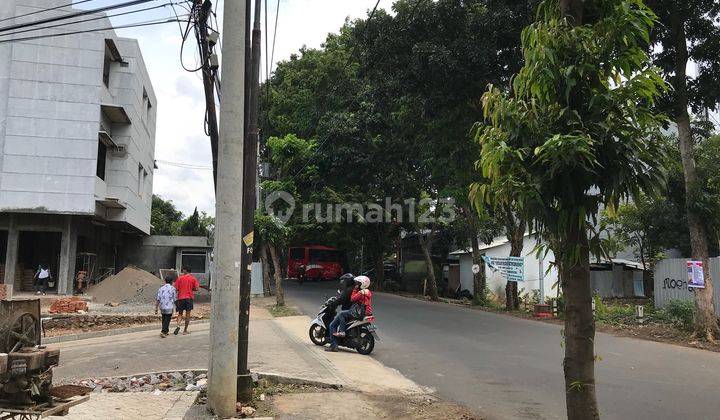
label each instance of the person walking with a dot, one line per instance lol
(165, 302)
(42, 277)
(186, 286)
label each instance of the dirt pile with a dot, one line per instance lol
(131, 285)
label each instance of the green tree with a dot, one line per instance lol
(193, 226)
(687, 31)
(165, 219)
(274, 234)
(577, 131)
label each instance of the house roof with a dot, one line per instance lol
(619, 261)
(499, 241)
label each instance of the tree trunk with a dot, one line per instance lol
(267, 290)
(426, 245)
(479, 279)
(379, 271)
(573, 10)
(705, 321)
(279, 294)
(579, 362)
(515, 228)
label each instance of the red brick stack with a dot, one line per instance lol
(68, 305)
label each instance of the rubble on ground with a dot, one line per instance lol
(154, 382)
(131, 285)
(68, 306)
(88, 322)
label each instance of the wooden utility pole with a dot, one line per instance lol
(244, 381)
(208, 75)
(222, 386)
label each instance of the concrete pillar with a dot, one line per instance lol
(68, 245)
(223, 380)
(11, 256)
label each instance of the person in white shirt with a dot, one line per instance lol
(165, 302)
(42, 277)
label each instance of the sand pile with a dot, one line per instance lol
(131, 285)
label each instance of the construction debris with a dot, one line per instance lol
(68, 306)
(172, 381)
(131, 285)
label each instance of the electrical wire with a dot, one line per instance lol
(267, 35)
(45, 10)
(191, 24)
(59, 25)
(74, 15)
(108, 28)
(277, 14)
(184, 165)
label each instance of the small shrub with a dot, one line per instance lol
(391, 286)
(681, 312)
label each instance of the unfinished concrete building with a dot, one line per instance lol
(77, 141)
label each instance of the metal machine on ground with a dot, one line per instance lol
(26, 367)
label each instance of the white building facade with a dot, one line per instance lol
(77, 141)
(539, 271)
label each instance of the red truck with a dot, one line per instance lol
(314, 262)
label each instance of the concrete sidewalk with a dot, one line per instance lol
(272, 350)
(278, 346)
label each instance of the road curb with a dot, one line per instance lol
(318, 358)
(108, 333)
(275, 378)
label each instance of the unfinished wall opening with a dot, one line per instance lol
(101, 160)
(195, 260)
(34, 249)
(3, 252)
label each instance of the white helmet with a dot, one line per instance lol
(364, 281)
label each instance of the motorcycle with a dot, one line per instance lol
(360, 334)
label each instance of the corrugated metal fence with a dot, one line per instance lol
(671, 280)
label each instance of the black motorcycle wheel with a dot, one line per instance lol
(366, 342)
(317, 335)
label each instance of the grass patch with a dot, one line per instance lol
(281, 311)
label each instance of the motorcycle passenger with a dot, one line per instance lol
(361, 299)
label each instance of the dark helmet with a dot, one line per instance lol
(347, 280)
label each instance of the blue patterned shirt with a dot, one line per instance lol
(167, 295)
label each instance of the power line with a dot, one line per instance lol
(184, 165)
(73, 15)
(267, 35)
(45, 10)
(272, 56)
(108, 28)
(59, 25)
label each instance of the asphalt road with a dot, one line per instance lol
(506, 367)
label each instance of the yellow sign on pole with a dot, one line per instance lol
(248, 239)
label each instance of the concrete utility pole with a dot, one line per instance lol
(244, 381)
(222, 386)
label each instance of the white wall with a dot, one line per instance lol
(532, 270)
(51, 90)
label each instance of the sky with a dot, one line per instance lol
(181, 147)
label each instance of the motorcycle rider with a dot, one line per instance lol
(361, 299)
(342, 300)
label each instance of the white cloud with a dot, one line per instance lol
(180, 134)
